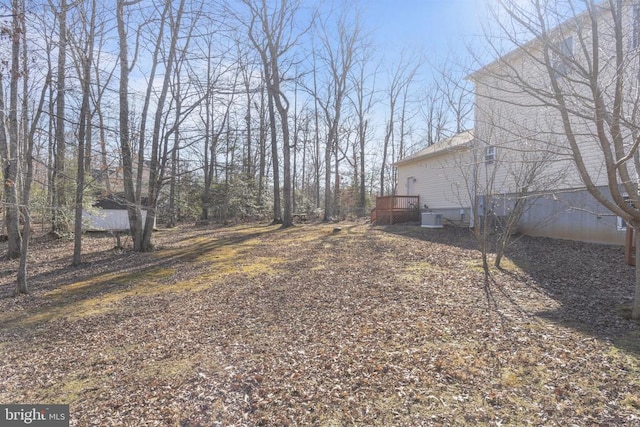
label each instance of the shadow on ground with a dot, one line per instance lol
(103, 280)
(592, 284)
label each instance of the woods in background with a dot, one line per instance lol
(193, 110)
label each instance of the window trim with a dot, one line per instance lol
(489, 153)
(561, 55)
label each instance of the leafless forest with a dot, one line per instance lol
(197, 110)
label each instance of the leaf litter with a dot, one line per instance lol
(252, 325)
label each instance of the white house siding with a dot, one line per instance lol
(519, 131)
(516, 122)
(505, 112)
(440, 182)
(523, 131)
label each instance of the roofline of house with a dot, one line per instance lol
(507, 57)
(447, 149)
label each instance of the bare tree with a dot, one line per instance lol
(576, 64)
(272, 32)
(501, 182)
(401, 79)
(59, 223)
(17, 197)
(133, 206)
(158, 158)
(337, 55)
(218, 93)
(84, 54)
(434, 113)
(456, 94)
(211, 134)
(9, 146)
(30, 126)
(363, 100)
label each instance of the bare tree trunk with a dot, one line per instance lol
(362, 109)
(316, 114)
(635, 308)
(21, 278)
(135, 220)
(209, 150)
(10, 152)
(336, 186)
(59, 180)
(9, 179)
(277, 209)
(83, 132)
(287, 220)
(104, 164)
(263, 149)
(174, 156)
(29, 133)
(155, 166)
(385, 150)
(316, 145)
(328, 150)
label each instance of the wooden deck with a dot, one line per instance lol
(396, 209)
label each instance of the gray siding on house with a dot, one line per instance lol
(571, 215)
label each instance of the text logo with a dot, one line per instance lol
(34, 415)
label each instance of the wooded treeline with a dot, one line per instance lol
(199, 110)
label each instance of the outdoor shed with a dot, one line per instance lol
(109, 214)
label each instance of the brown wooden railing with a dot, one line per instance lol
(396, 209)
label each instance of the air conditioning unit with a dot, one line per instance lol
(431, 220)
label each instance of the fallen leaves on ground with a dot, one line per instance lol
(253, 325)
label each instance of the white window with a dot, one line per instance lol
(561, 57)
(635, 35)
(489, 154)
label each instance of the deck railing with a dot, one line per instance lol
(396, 209)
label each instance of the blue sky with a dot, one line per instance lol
(437, 26)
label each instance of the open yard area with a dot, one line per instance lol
(253, 325)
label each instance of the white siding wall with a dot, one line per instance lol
(439, 180)
(108, 219)
(528, 130)
(513, 120)
(521, 125)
